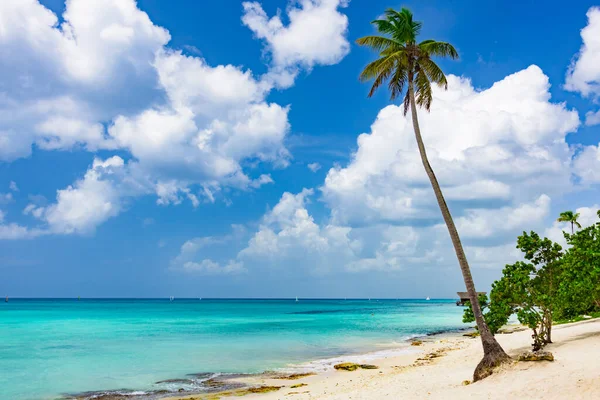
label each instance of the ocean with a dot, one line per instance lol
(61, 348)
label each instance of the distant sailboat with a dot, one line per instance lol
(171, 298)
(427, 298)
(296, 298)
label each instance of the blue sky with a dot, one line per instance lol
(153, 150)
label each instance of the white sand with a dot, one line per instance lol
(575, 373)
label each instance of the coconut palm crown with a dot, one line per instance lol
(402, 61)
(570, 217)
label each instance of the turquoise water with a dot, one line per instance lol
(51, 348)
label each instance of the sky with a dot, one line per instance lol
(227, 149)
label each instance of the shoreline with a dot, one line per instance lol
(314, 369)
(441, 368)
(219, 383)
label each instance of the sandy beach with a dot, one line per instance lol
(441, 368)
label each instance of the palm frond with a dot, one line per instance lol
(378, 43)
(438, 49)
(381, 78)
(423, 94)
(384, 26)
(434, 73)
(397, 81)
(375, 68)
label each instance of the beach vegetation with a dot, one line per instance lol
(570, 217)
(550, 286)
(407, 67)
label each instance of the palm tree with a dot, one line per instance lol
(405, 64)
(598, 213)
(570, 216)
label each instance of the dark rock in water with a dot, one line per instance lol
(184, 381)
(201, 375)
(120, 394)
(536, 356)
(181, 390)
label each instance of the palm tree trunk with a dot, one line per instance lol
(493, 354)
(572, 228)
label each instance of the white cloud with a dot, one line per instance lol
(484, 223)
(592, 118)
(14, 231)
(482, 144)
(584, 73)
(191, 249)
(314, 167)
(587, 164)
(89, 202)
(13, 186)
(104, 78)
(60, 80)
(210, 267)
(315, 35)
(6, 198)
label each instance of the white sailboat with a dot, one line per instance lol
(171, 298)
(296, 298)
(427, 298)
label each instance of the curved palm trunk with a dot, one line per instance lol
(494, 355)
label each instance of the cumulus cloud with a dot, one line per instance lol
(13, 186)
(87, 203)
(587, 164)
(485, 147)
(315, 35)
(584, 73)
(592, 118)
(60, 80)
(484, 223)
(104, 78)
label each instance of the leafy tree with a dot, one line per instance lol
(580, 283)
(407, 67)
(495, 316)
(571, 217)
(529, 289)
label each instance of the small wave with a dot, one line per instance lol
(114, 395)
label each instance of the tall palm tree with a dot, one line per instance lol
(570, 216)
(598, 212)
(409, 70)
